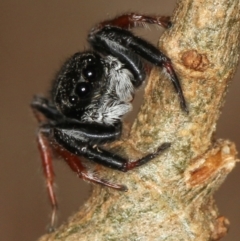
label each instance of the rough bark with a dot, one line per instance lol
(171, 197)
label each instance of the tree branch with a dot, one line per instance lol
(171, 197)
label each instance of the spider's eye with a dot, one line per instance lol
(83, 89)
(90, 73)
(73, 99)
(93, 70)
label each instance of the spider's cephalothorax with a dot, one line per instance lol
(91, 93)
(90, 88)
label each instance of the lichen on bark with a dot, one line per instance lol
(171, 198)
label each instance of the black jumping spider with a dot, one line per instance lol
(91, 93)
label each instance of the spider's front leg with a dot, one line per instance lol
(43, 110)
(77, 140)
(112, 37)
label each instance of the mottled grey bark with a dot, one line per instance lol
(171, 197)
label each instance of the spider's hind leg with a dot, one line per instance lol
(131, 20)
(46, 156)
(75, 164)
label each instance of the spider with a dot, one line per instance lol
(91, 93)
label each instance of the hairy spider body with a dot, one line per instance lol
(91, 93)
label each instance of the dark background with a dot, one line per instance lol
(36, 37)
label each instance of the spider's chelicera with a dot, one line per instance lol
(91, 93)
